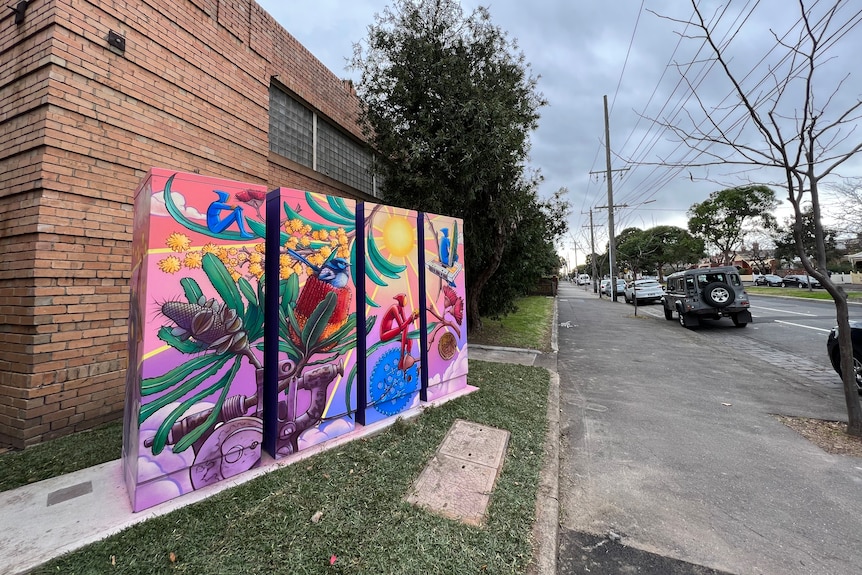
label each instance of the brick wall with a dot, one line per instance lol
(81, 125)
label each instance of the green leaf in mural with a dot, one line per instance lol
(329, 216)
(259, 228)
(341, 333)
(192, 290)
(287, 347)
(288, 292)
(318, 320)
(248, 291)
(189, 385)
(223, 283)
(189, 439)
(380, 263)
(339, 207)
(186, 346)
(294, 215)
(453, 251)
(222, 385)
(160, 383)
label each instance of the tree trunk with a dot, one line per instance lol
(478, 281)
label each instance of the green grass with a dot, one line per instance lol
(264, 526)
(803, 293)
(529, 327)
(60, 456)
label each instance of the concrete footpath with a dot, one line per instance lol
(673, 459)
(49, 518)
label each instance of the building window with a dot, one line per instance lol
(341, 158)
(307, 138)
(291, 128)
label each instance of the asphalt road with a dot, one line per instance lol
(790, 333)
(672, 459)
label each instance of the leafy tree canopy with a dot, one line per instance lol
(721, 219)
(785, 243)
(658, 247)
(448, 103)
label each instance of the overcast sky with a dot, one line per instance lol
(583, 50)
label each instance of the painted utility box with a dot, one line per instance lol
(444, 298)
(311, 290)
(195, 375)
(391, 374)
(278, 320)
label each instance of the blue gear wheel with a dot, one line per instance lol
(389, 387)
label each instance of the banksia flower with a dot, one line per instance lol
(208, 322)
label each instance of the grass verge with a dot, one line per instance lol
(265, 526)
(60, 456)
(529, 327)
(803, 293)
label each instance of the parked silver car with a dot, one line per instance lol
(643, 290)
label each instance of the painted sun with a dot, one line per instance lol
(398, 236)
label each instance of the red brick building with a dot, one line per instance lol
(92, 94)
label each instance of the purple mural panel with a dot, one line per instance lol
(445, 299)
(194, 383)
(393, 366)
(313, 290)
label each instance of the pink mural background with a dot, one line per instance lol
(277, 321)
(393, 364)
(193, 395)
(445, 298)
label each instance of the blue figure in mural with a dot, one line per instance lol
(217, 224)
(445, 244)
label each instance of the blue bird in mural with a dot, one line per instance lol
(332, 277)
(335, 271)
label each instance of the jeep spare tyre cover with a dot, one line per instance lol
(718, 294)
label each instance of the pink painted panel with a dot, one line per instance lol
(193, 411)
(315, 398)
(445, 300)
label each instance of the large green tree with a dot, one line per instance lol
(529, 254)
(721, 219)
(786, 249)
(658, 247)
(448, 103)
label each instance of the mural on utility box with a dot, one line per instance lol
(311, 283)
(278, 320)
(445, 294)
(391, 374)
(195, 378)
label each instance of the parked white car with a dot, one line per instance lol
(606, 287)
(644, 290)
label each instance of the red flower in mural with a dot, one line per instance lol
(254, 198)
(454, 303)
